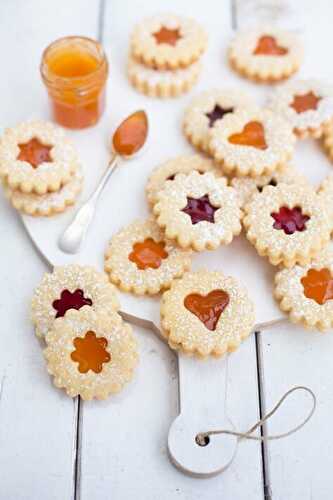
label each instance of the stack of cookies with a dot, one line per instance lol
(164, 55)
(39, 168)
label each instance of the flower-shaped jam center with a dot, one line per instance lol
(318, 285)
(167, 36)
(268, 46)
(34, 152)
(305, 102)
(148, 254)
(290, 220)
(200, 209)
(217, 114)
(208, 308)
(253, 134)
(69, 300)
(90, 352)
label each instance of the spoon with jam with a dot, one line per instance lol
(127, 140)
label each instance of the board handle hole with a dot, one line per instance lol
(202, 439)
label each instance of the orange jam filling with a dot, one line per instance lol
(253, 134)
(208, 308)
(318, 285)
(148, 254)
(90, 352)
(167, 36)
(305, 102)
(268, 46)
(131, 134)
(34, 152)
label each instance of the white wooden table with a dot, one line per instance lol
(53, 448)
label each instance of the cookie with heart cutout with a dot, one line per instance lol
(306, 104)
(288, 224)
(209, 108)
(139, 259)
(91, 354)
(305, 293)
(265, 54)
(199, 212)
(252, 143)
(206, 313)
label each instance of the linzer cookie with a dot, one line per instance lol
(198, 211)
(167, 41)
(70, 287)
(252, 143)
(89, 354)
(265, 54)
(306, 104)
(179, 165)
(141, 260)
(289, 224)
(306, 292)
(36, 157)
(209, 108)
(206, 313)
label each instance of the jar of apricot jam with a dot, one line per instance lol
(74, 70)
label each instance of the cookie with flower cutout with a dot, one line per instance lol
(305, 293)
(265, 54)
(206, 313)
(70, 287)
(247, 187)
(209, 108)
(167, 41)
(306, 104)
(36, 157)
(252, 143)
(141, 260)
(288, 224)
(162, 83)
(198, 211)
(180, 165)
(47, 204)
(91, 354)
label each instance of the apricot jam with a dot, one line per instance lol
(74, 70)
(131, 134)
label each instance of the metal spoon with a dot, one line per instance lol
(127, 140)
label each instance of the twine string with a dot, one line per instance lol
(202, 436)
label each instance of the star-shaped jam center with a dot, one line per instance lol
(217, 114)
(290, 220)
(200, 209)
(318, 285)
(69, 300)
(148, 254)
(305, 102)
(90, 352)
(34, 152)
(167, 36)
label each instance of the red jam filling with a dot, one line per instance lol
(217, 114)
(148, 254)
(253, 134)
(90, 353)
(69, 300)
(200, 209)
(318, 285)
(267, 46)
(290, 220)
(304, 102)
(167, 36)
(34, 152)
(208, 308)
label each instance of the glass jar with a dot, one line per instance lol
(74, 70)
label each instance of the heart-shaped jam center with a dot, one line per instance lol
(200, 209)
(217, 114)
(253, 134)
(268, 46)
(69, 300)
(167, 36)
(305, 102)
(34, 152)
(290, 220)
(90, 352)
(318, 285)
(208, 308)
(148, 253)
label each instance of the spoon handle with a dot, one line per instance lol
(72, 238)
